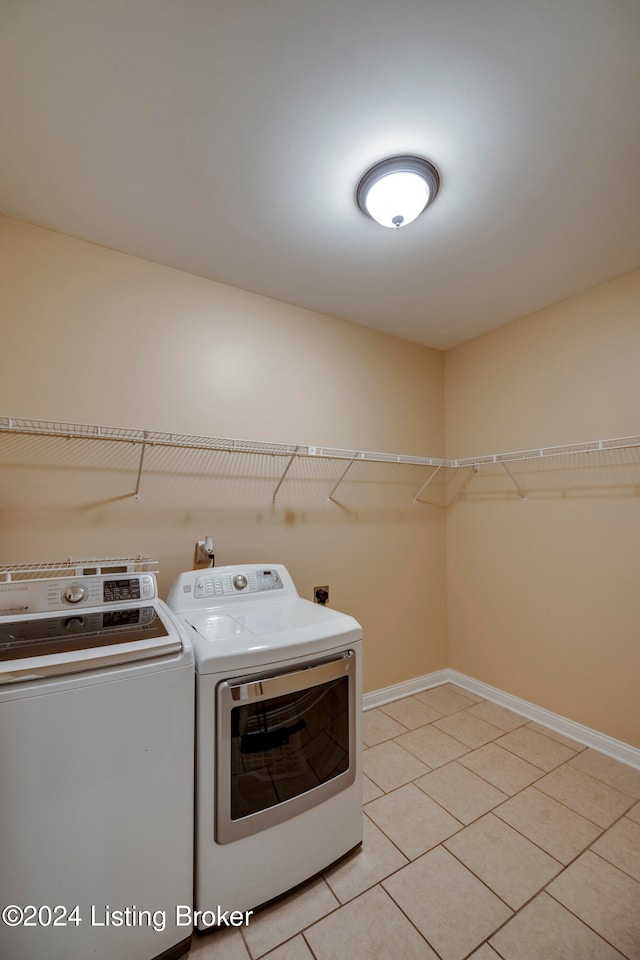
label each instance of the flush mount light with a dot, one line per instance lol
(396, 191)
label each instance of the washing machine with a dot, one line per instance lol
(278, 756)
(96, 768)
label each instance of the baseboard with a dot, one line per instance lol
(399, 690)
(623, 752)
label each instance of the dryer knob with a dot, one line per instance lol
(240, 582)
(74, 593)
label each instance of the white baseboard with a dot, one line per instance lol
(577, 731)
(399, 690)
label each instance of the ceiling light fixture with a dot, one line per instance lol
(396, 191)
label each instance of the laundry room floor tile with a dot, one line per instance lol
(371, 927)
(446, 699)
(513, 867)
(432, 746)
(460, 791)
(475, 697)
(377, 727)
(615, 774)
(481, 856)
(501, 768)
(452, 909)
(634, 813)
(295, 949)
(604, 898)
(218, 945)
(500, 717)
(562, 832)
(620, 845)
(485, 952)
(554, 735)
(411, 712)
(370, 790)
(545, 930)
(280, 921)
(470, 730)
(412, 820)
(376, 859)
(536, 748)
(390, 766)
(591, 798)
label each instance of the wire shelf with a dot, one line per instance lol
(592, 446)
(77, 568)
(150, 438)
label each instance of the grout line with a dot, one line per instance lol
(600, 780)
(587, 925)
(244, 941)
(499, 732)
(532, 842)
(567, 807)
(614, 865)
(595, 781)
(408, 918)
(533, 762)
(491, 783)
(579, 747)
(491, 946)
(518, 830)
(308, 945)
(563, 867)
(533, 785)
(329, 913)
(387, 837)
(484, 883)
(463, 826)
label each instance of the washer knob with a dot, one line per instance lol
(74, 593)
(240, 581)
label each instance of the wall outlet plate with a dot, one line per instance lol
(321, 594)
(201, 554)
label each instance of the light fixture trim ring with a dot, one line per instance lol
(400, 164)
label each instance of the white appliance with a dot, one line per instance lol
(96, 767)
(278, 761)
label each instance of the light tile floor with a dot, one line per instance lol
(485, 836)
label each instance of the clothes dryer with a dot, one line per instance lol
(278, 757)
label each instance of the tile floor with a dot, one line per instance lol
(485, 836)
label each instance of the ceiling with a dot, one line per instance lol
(226, 138)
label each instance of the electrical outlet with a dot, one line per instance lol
(201, 554)
(321, 595)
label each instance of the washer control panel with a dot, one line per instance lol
(96, 591)
(74, 593)
(222, 584)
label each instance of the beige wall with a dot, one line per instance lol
(95, 336)
(542, 596)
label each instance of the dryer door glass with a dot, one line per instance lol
(288, 745)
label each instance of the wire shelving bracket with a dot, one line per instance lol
(149, 438)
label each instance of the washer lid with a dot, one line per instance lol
(42, 646)
(261, 633)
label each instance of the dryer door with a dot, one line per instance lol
(286, 743)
